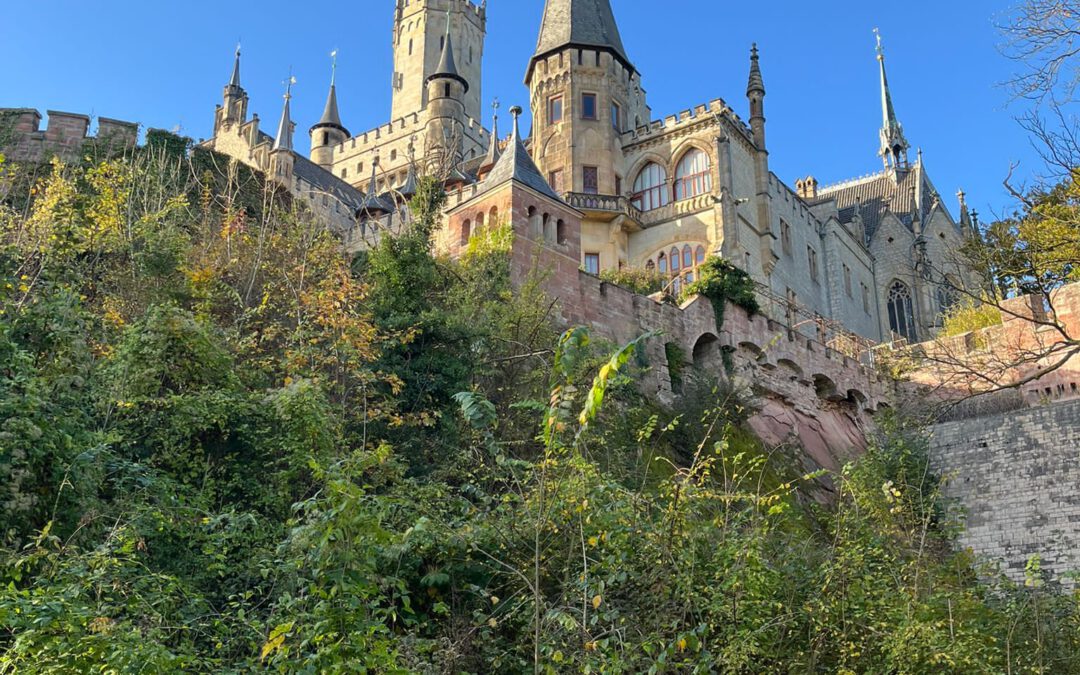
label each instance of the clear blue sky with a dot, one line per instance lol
(164, 64)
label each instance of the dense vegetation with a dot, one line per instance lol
(226, 447)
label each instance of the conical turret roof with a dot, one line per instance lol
(447, 68)
(579, 23)
(515, 164)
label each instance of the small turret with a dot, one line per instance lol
(328, 132)
(755, 92)
(493, 152)
(233, 109)
(281, 156)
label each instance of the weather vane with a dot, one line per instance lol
(333, 66)
(288, 84)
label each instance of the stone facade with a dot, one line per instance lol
(1012, 478)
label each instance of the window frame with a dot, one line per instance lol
(616, 116)
(653, 196)
(595, 106)
(592, 257)
(595, 170)
(553, 100)
(696, 183)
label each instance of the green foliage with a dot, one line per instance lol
(968, 316)
(721, 282)
(642, 282)
(224, 448)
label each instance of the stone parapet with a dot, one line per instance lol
(22, 138)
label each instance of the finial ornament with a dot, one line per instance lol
(333, 66)
(289, 84)
(880, 46)
(754, 51)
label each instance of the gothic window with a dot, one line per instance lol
(700, 254)
(661, 263)
(649, 190)
(650, 267)
(692, 176)
(466, 232)
(785, 237)
(588, 106)
(947, 296)
(675, 261)
(901, 312)
(811, 256)
(590, 181)
(560, 232)
(687, 257)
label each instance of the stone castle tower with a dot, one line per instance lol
(421, 28)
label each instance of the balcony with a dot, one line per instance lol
(602, 207)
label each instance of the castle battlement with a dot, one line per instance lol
(698, 113)
(23, 139)
(479, 9)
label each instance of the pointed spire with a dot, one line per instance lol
(756, 85)
(515, 164)
(493, 152)
(284, 134)
(578, 23)
(330, 116)
(447, 68)
(894, 145)
(373, 203)
(235, 80)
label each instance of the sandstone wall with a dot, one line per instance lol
(23, 139)
(1015, 477)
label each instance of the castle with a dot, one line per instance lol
(869, 254)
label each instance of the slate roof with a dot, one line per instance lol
(880, 194)
(583, 23)
(325, 181)
(331, 117)
(515, 164)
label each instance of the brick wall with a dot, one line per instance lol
(1015, 477)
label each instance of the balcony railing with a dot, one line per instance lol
(609, 204)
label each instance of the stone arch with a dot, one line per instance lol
(536, 230)
(493, 217)
(707, 354)
(826, 388)
(796, 369)
(466, 232)
(646, 159)
(752, 350)
(685, 146)
(857, 397)
(548, 228)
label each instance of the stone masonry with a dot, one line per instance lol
(1014, 480)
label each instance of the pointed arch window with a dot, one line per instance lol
(692, 175)
(902, 312)
(649, 188)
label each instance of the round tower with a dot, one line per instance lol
(328, 133)
(446, 90)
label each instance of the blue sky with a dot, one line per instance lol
(164, 64)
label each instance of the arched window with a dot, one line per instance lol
(692, 176)
(493, 217)
(466, 232)
(687, 257)
(649, 190)
(650, 267)
(678, 266)
(902, 312)
(675, 260)
(661, 262)
(535, 227)
(700, 254)
(560, 232)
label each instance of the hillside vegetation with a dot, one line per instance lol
(227, 447)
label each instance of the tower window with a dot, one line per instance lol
(393, 155)
(847, 280)
(692, 175)
(785, 237)
(811, 255)
(590, 180)
(446, 90)
(588, 106)
(410, 46)
(555, 109)
(616, 116)
(326, 138)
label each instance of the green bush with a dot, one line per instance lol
(642, 282)
(721, 282)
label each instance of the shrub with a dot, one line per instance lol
(720, 281)
(642, 282)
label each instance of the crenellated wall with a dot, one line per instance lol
(23, 139)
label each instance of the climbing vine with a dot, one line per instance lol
(721, 282)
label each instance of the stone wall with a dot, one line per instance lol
(1014, 477)
(23, 139)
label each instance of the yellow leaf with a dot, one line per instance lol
(596, 601)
